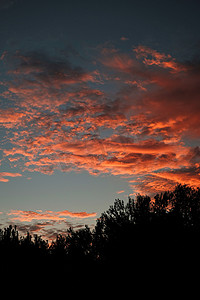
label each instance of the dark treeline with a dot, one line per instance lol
(141, 234)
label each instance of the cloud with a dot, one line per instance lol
(80, 215)
(8, 174)
(153, 57)
(190, 176)
(120, 192)
(35, 227)
(123, 38)
(167, 97)
(47, 223)
(119, 61)
(38, 80)
(150, 185)
(28, 216)
(10, 118)
(139, 120)
(158, 182)
(49, 71)
(47, 229)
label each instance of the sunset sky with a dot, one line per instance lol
(99, 100)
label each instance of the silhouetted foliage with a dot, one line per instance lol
(141, 234)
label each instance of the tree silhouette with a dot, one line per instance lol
(151, 231)
(142, 234)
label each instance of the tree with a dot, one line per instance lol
(145, 230)
(79, 244)
(142, 234)
(117, 231)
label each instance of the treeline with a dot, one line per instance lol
(140, 234)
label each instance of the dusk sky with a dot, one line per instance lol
(99, 100)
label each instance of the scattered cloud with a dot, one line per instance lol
(46, 223)
(65, 117)
(48, 229)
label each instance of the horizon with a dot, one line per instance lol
(98, 101)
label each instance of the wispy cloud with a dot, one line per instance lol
(120, 192)
(28, 216)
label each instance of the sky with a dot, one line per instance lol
(98, 100)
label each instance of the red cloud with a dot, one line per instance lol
(121, 62)
(144, 126)
(153, 57)
(166, 180)
(190, 176)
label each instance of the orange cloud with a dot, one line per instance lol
(190, 176)
(157, 58)
(156, 182)
(8, 174)
(120, 192)
(10, 118)
(143, 126)
(80, 215)
(28, 216)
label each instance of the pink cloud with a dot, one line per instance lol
(8, 174)
(28, 216)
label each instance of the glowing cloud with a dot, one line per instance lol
(7, 174)
(28, 216)
(142, 128)
(153, 57)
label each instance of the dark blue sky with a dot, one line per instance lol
(169, 25)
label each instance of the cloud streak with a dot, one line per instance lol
(28, 216)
